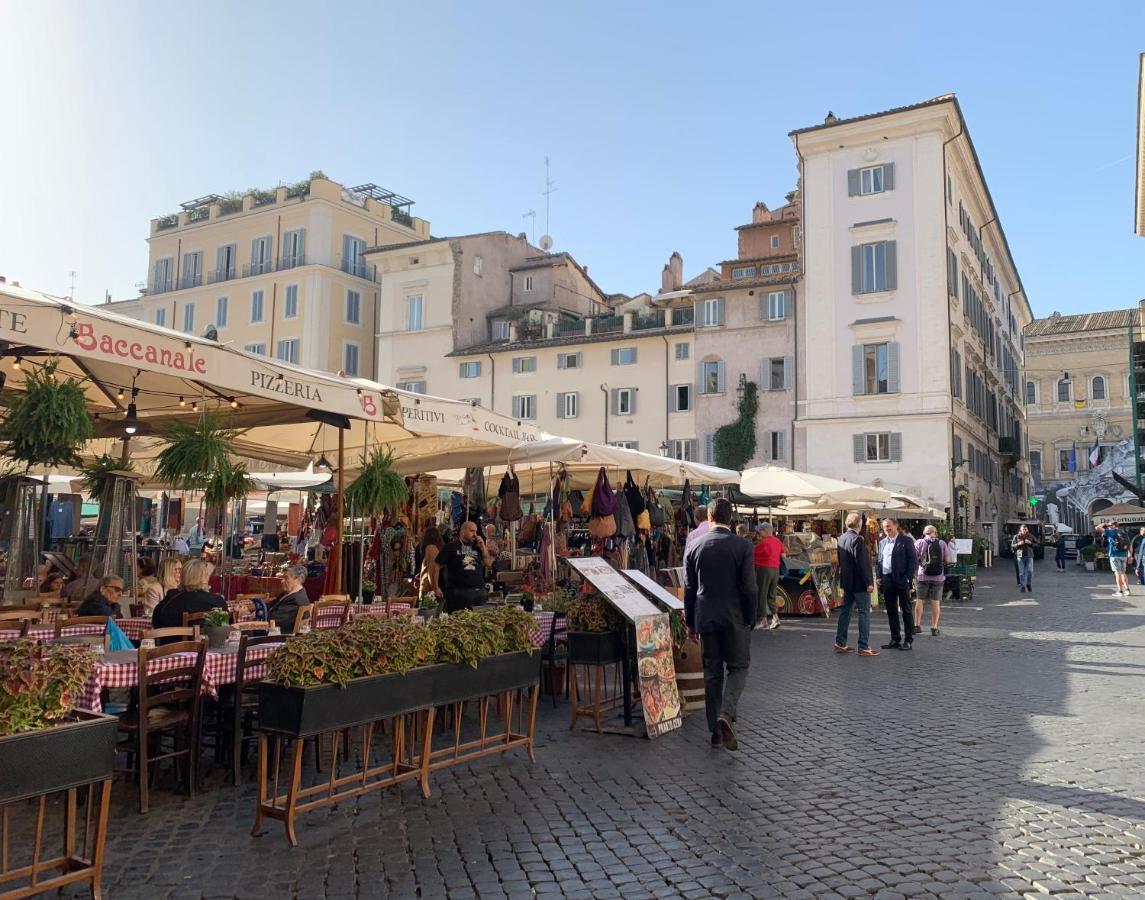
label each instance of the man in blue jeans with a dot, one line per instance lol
(855, 577)
(1023, 546)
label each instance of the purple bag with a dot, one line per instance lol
(603, 497)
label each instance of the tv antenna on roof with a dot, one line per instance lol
(550, 187)
(532, 214)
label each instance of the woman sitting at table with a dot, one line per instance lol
(193, 598)
(284, 608)
(52, 585)
(166, 584)
(105, 601)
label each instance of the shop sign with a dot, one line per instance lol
(657, 591)
(628, 601)
(659, 694)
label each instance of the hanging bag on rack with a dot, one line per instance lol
(510, 496)
(633, 496)
(602, 504)
(655, 510)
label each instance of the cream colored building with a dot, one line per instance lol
(492, 319)
(1077, 390)
(280, 272)
(911, 347)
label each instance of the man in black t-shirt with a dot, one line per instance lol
(464, 562)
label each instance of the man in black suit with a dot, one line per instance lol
(855, 578)
(897, 567)
(720, 604)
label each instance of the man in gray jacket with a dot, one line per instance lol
(284, 608)
(720, 605)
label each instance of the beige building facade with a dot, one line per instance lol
(1077, 390)
(281, 272)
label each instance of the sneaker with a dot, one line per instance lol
(868, 651)
(728, 732)
(843, 648)
(934, 632)
(759, 626)
(774, 622)
(918, 629)
(717, 739)
(893, 645)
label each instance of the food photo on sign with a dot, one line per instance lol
(659, 694)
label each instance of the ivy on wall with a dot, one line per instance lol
(734, 444)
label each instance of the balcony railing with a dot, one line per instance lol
(684, 316)
(570, 326)
(359, 268)
(199, 214)
(607, 324)
(258, 268)
(292, 262)
(217, 275)
(190, 280)
(161, 287)
(653, 319)
(168, 222)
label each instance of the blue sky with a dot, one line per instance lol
(665, 122)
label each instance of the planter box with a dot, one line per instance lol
(307, 711)
(595, 648)
(56, 758)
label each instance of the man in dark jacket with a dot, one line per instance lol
(284, 608)
(105, 602)
(855, 578)
(897, 565)
(720, 604)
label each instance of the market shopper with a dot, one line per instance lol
(767, 556)
(1136, 557)
(720, 603)
(700, 530)
(933, 555)
(855, 579)
(897, 565)
(1023, 545)
(1060, 551)
(1117, 546)
(464, 561)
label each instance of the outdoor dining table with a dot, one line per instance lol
(539, 633)
(133, 628)
(378, 609)
(121, 670)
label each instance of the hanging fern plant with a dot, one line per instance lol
(229, 481)
(734, 444)
(378, 490)
(195, 451)
(96, 475)
(48, 423)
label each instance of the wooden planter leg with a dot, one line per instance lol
(534, 696)
(426, 750)
(597, 676)
(573, 684)
(258, 816)
(100, 836)
(508, 700)
(292, 793)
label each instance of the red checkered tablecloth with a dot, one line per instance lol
(378, 609)
(539, 634)
(134, 628)
(47, 632)
(121, 670)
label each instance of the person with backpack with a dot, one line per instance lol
(1023, 546)
(1117, 545)
(1137, 555)
(933, 555)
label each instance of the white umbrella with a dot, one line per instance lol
(775, 481)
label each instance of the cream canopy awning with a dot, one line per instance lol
(774, 481)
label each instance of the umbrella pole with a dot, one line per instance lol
(336, 562)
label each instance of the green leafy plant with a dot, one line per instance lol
(734, 444)
(678, 627)
(95, 476)
(558, 601)
(216, 618)
(40, 682)
(1088, 552)
(595, 614)
(368, 585)
(195, 451)
(48, 422)
(228, 481)
(378, 490)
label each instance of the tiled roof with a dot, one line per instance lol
(784, 278)
(569, 340)
(934, 101)
(1098, 321)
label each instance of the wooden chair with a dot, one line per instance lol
(169, 705)
(302, 618)
(19, 621)
(337, 598)
(63, 625)
(330, 613)
(137, 610)
(253, 627)
(242, 608)
(195, 620)
(168, 635)
(245, 710)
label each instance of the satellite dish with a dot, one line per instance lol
(210, 333)
(546, 243)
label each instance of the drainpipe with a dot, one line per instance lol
(667, 406)
(794, 304)
(492, 382)
(604, 390)
(795, 362)
(949, 346)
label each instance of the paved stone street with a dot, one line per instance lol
(1002, 758)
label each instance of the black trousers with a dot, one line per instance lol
(726, 653)
(457, 599)
(897, 599)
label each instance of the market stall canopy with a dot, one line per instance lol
(534, 463)
(150, 377)
(774, 481)
(1122, 512)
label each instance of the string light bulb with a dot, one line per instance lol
(182, 402)
(130, 422)
(234, 402)
(195, 406)
(119, 394)
(16, 364)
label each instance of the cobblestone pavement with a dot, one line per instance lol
(1002, 758)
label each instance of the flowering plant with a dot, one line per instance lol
(39, 683)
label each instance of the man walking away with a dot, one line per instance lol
(933, 555)
(720, 603)
(1059, 553)
(768, 553)
(1118, 547)
(855, 578)
(897, 565)
(1023, 546)
(1135, 556)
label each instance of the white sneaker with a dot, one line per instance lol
(1117, 593)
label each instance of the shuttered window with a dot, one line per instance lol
(773, 305)
(878, 446)
(623, 401)
(679, 398)
(567, 405)
(875, 368)
(711, 312)
(955, 373)
(624, 356)
(951, 273)
(710, 377)
(525, 406)
(776, 446)
(871, 180)
(777, 373)
(874, 267)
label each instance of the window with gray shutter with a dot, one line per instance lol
(860, 447)
(893, 367)
(788, 372)
(888, 176)
(892, 265)
(858, 380)
(857, 270)
(957, 450)
(710, 448)
(852, 182)
(896, 446)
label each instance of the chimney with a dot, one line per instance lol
(759, 213)
(676, 263)
(666, 281)
(1140, 311)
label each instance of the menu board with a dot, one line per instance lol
(669, 599)
(628, 601)
(659, 695)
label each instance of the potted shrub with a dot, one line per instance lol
(1088, 553)
(378, 490)
(368, 588)
(195, 451)
(376, 668)
(45, 744)
(595, 631)
(428, 607)
(216, 627)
